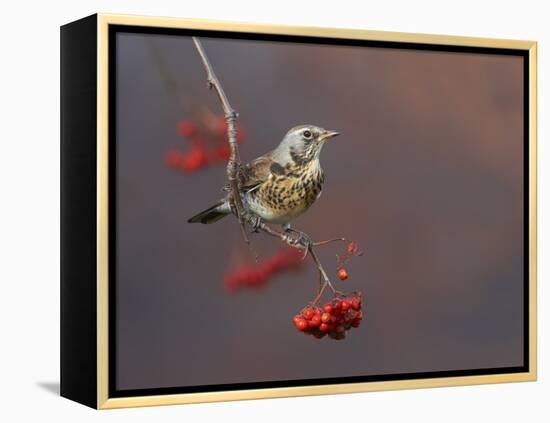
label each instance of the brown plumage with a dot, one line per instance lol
(282, 184)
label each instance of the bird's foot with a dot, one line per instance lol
(297, 239)
(253, 220)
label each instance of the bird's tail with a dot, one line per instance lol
(212, 214)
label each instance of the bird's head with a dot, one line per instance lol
(303, 143)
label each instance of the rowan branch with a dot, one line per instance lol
(233, 167)
(234, 162)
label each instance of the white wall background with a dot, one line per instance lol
(29, 235)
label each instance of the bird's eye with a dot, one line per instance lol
(307, 134)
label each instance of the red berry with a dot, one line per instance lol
(356, 322)
(325, 317)
(356, 304)
(188, 164)
(194, 159)
(301, 324)
(327, 308)
(308, 313)
(323, 327)
(342, 274)
(315, 321)
(352, 247)
(185, 128)
(296, 318)
(345, 305)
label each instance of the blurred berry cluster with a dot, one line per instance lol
(208, 144)
(257, 275)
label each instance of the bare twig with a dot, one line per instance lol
(322, 287)
(328, 241)
(234, 162)
(233, 167)
(322, 272)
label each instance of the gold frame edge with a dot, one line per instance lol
(103, 21)
(102, 213)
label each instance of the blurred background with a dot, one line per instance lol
(427, 177)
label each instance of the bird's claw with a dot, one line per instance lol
(253, 220)
(298, 239)
(255, 223)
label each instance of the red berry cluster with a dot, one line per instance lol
(334, 319)
(209, 145)
(352, 250)
(256, 275)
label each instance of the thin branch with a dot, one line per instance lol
(234, 162)
(322, 287)
(322, 271)
(328, 241)
(233, 167)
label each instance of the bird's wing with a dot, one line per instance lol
(256, 172)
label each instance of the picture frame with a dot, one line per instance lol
(89, 195)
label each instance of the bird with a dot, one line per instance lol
(282, 184)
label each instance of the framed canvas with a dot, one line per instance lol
(199, 260)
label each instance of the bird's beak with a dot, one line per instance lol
(328, 135)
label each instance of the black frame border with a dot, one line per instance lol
(113, 30)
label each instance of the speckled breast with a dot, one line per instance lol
(284, 197)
